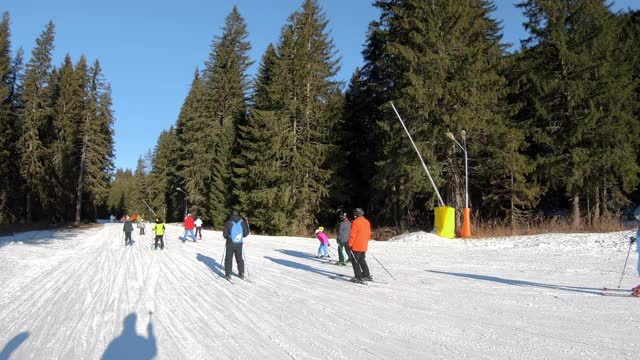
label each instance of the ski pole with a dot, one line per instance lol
(224, 251)
(625, 265)
(244, 257)
(385, 269)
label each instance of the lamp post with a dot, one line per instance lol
(186, 201)
(466, 220)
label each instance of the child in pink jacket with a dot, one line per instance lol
(324, 242)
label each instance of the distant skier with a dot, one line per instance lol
(344, 229)
(141, 226)
(128, 229)
(359, 237)
(189, 224)
(235, 230)
(198, 224)
(158, 231)
(323, 251)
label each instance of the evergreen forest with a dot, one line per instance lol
(551, 129)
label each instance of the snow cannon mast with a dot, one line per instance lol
(445, 218)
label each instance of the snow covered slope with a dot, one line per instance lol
(80, 294)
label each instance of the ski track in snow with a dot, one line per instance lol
(66, 293)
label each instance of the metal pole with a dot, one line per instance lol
(420, 156)
(466, 174)
(153, 212)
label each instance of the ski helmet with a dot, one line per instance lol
(358, 212)
(235, 212)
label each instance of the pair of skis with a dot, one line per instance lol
(619, 292)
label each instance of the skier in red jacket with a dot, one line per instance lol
(189, 225)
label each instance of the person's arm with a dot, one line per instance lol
(245, 229)
(226, 231)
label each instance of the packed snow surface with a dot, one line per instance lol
(81, 294)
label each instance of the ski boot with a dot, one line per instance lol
(636, 292)
(368, 278)
(357, 280)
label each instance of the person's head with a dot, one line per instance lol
(189, 214)
(157, 220)
(357, 212)
(235, 212)
(343, 215)
(128, 218)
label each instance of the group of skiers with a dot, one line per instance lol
(190, 225)
(353, 239)
(158, 230)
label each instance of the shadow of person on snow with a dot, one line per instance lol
(130, 345)
(13, 344)
(585, 290)
(295, 265)
(211, 264)
(300, 254)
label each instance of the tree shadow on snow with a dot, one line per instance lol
(38, 237)
(296, 265)
(130, 345)
(13, 344)
(211, 264)
(585, 290)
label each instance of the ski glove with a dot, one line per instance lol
(632, 239)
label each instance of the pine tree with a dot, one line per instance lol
(35, 119)
(438, 61)
(358, 143)
(96, 154)
(226, 87)
(70, 92)
(584, 91)
(195, 144)
(7, 124)
(163, 177)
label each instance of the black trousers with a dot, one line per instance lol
(161, 239)
(127, 237)
(199, 232)
(359, 264)
(233, 249)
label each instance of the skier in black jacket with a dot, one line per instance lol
(235, 230)
(128, 229)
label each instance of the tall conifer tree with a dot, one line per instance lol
(7, 124)
(226, 86)
(35, 119)
(582, 114)
(438, 60)
(96, 154)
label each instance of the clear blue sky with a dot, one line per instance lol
(149, 49)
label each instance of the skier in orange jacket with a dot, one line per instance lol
(359, 244)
